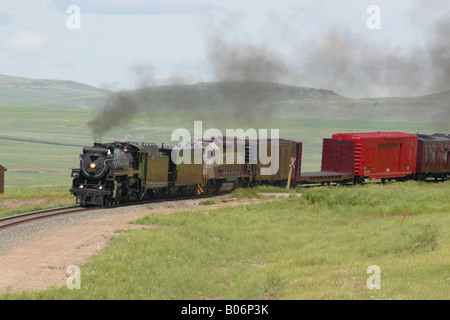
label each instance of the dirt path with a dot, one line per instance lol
(43, 262)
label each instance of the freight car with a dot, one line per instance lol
(382, 155)
(274, 162)
(433, 157)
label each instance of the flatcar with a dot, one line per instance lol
(338, 159)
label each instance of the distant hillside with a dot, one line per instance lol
(428, 108)
(241, 99)
(271, 99)
(18, 91)
(229, 96)
(237, 98)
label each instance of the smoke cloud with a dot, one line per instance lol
(440, 55)
(354, 68)
(335, 60)
(119, 109)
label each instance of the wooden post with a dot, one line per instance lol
(292, 165)
(289, 179)
(2, 179)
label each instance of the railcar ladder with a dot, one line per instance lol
(199, 187)
(358, 159)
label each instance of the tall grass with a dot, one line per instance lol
(382, 200)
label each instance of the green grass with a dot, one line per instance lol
(315, 246)
(381, 200)
(29, 199)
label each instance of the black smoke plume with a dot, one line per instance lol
(119, 109)
(338, 61)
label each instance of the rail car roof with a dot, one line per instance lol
(280, 140)
(437, 137)
(366, 135)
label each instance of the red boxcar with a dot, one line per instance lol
(385, 155)
(433, 156)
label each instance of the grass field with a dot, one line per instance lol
(27, 199)
(315, 246)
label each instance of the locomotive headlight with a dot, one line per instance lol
(92, 165)
(100, 188)
(81, 186)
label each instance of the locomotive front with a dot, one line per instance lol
(94, 182)
(94, 162)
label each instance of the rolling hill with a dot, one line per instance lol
(18, 91)
(236, 98)
(272, 99)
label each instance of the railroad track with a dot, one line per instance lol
(15, 220)
(28, 217)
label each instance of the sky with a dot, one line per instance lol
(340, 45)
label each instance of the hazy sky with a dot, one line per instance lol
(124, 44)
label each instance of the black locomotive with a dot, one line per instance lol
(111, 173)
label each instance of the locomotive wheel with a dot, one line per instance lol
(108, 202)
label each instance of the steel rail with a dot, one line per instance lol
(23, 218)
(14, 220)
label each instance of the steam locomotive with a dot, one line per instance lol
(124, 172)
